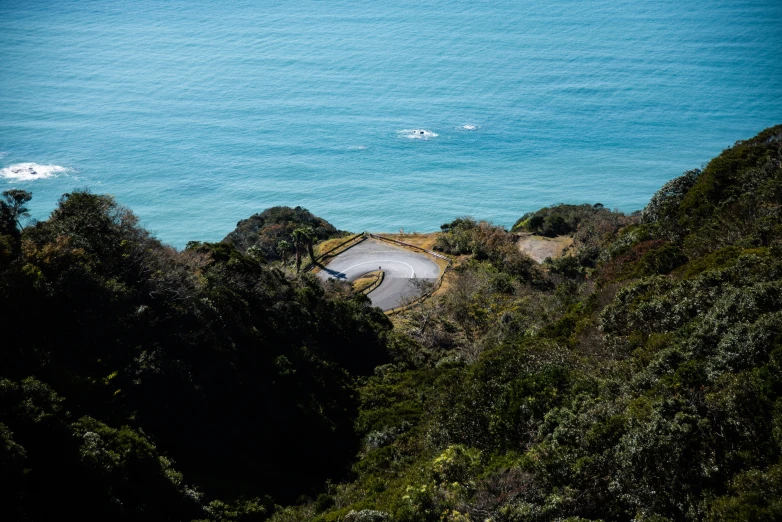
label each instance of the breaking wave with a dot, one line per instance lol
(418, 134)
(31, 171)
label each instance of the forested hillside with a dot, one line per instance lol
(139, 382)
(638, 377)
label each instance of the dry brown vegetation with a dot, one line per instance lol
(539, 247)
(425, 241)
(365, 283)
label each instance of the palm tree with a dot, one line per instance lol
(299, 238)
(310, 238)
(283, 247)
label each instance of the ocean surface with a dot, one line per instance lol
(375, 115)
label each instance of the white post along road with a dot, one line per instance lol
(401, 266)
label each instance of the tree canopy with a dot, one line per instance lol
(165, 381)
(639, 377)
(267, 229)
(636, 378)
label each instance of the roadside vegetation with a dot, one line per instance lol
(639, 377)
(281, 233)
(368, 282)
(636, 378)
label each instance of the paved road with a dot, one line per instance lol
(400, 267)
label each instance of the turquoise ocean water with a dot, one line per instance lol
(197, 114)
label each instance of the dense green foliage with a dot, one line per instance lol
(484, 241)
(564, 219)
(270, 232)
(591, 226)
(637, 378)
(144, 383)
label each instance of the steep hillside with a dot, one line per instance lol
(142, 383)
(640, 378)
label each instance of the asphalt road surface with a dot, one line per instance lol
(401, 267)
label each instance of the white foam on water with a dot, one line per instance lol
(31, 171)
(418, 134)
(470, 127)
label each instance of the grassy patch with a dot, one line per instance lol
(367, 282)
(425, 241)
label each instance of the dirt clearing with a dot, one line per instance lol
(539, 247)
